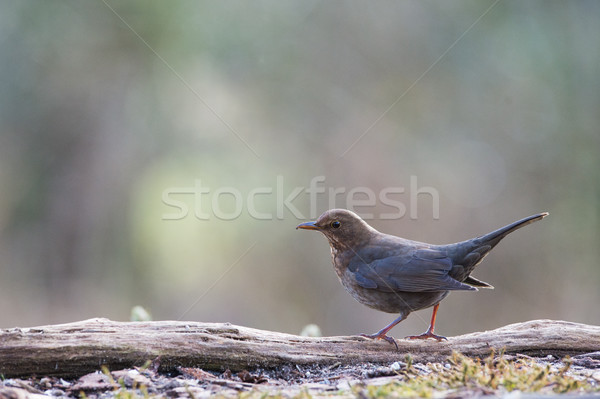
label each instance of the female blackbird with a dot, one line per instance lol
(397, 275)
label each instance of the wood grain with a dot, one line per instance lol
(74, 349)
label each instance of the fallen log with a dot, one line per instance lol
(74, 349)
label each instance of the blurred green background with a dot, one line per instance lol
(497, 109)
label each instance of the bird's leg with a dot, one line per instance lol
(429, 333)
(382, 333)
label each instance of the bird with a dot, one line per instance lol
(397, 275)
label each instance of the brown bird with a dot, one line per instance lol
(397, 275)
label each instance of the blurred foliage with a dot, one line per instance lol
(102, 112)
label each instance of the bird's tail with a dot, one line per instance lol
(470, 253)
(494, 237)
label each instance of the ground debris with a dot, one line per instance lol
(458, 376)
(588, 360)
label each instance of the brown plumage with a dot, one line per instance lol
(397, 275)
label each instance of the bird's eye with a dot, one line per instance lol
(335, 224)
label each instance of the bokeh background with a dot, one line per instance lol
(107, 106)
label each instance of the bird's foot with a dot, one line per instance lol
(379, 335)
(428, 334)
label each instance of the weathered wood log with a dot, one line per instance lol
(78, 348)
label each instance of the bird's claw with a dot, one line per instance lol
(381, 336)
(428, 334)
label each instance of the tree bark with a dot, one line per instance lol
(74, 349)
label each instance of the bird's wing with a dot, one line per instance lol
(423, 270)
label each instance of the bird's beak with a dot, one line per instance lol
(307, 226)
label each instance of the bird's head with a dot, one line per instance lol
(342, 228)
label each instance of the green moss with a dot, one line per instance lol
(493, 374)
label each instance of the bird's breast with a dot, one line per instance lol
(340, 260)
